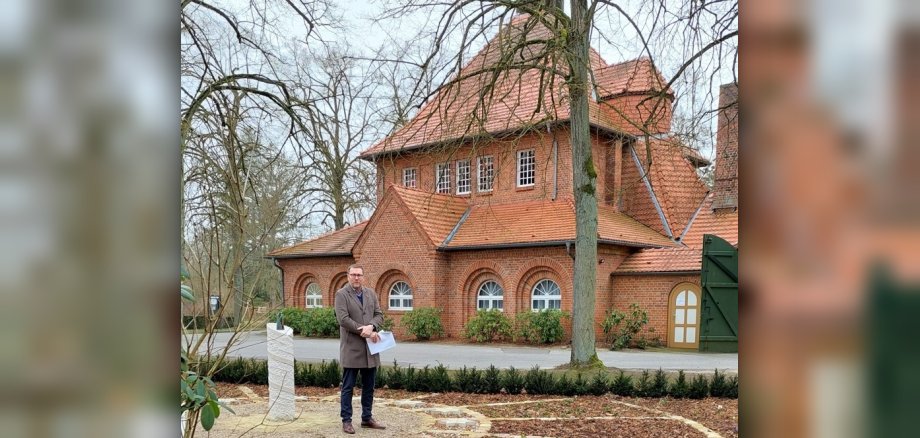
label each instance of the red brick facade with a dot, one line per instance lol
(651, 293)
(445, 246)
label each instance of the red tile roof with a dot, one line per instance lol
(337, 242)
(436, 213)
(522, 222)
(635, 76)
(723, 223)
(674, 180)
(618, 227)
(544, 222)
(484, 102)
(662, 260)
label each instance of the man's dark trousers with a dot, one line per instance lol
(349, 377)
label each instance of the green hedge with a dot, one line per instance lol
(423, 323)
(488, 325)
(319, 322)
(544, 327)
(493, 380)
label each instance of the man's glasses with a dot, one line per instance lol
(355, 275)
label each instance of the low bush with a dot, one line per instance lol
(488, 325)
(623, 385)
(538, 381)
(680, 388)
(387, 324)
(512, 381)
(720, 386)
(599, 385)
(319, 322)
(564, 386)
(491, 380)
(423, 323)
(699, 387)
(544, 327)
(620, 328)
(468, 380)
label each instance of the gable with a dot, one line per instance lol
(391, 226)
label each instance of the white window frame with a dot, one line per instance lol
(541, 293)
(410, 183)
(313, 300)
(487, 180)
(400, 296)
(486, 299)
(526, 168)
(464, 178)
(442, 178)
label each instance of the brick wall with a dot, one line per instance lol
(451, 280)
(504, 153)
(651, 292)
(328, 272)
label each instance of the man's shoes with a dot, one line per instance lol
(347, 427)
(373, 424)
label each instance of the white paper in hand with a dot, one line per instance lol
(386, 342)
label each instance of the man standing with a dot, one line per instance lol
(359, 316)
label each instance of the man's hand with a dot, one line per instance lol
(366, 330)
(375, 337)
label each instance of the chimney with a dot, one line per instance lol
(725, 190)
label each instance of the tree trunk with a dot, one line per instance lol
(585, 186)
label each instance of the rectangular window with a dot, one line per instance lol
(463, 177)
(410, 177)
(442, 176)
(526, 168)
(486, 173)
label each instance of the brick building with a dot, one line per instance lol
(475, 203)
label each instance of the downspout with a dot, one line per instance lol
(275, 262)
(555, 162)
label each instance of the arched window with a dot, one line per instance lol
(314, 296)
(400, 296)
(491, 296)
(546, 295)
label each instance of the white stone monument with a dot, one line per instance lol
(280, 373)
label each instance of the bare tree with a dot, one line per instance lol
(238, 192)
(341, 121)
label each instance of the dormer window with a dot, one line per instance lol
(526, 168)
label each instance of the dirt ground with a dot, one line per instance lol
(490, 415)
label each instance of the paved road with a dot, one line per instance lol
(455, 356)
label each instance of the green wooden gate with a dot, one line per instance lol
(719, 313)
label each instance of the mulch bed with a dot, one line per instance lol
(718, 414)
(650, 428)
(588, 406)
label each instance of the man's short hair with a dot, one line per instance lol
(355, 266)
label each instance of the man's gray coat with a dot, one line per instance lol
(351, 314)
